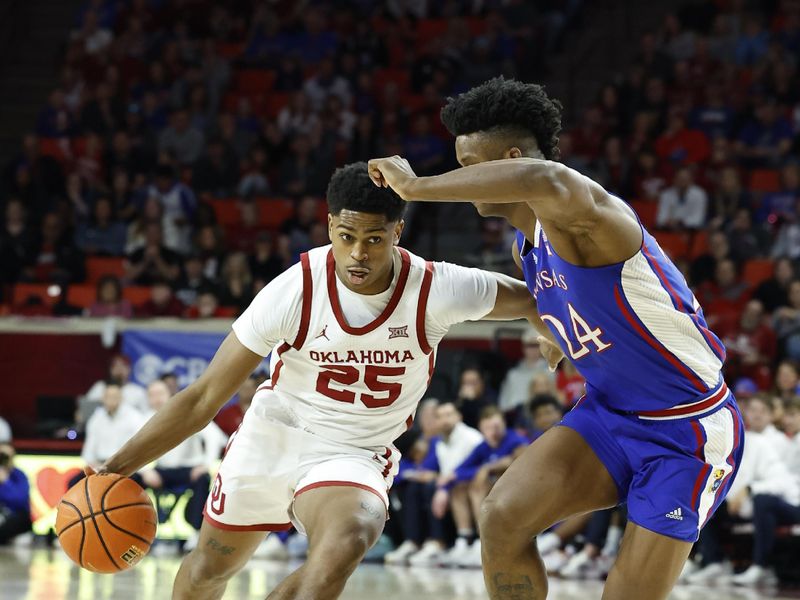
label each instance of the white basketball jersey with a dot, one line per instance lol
(356, 385)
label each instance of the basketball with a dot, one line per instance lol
(106, 523)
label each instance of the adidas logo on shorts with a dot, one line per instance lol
(675, 514)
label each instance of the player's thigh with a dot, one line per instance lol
(348, 519)
(557, 476)
(648, 565)
(221, 553)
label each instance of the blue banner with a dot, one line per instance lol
(155, 353)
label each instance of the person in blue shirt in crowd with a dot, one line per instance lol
(479, 471)
(15, 506)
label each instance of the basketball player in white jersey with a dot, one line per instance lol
(353, 330)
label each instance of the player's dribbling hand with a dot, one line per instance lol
(552, 352)
(394, 172)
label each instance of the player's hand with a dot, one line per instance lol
(394, 172)
(439, 503)
(551, 351)
(88, 470)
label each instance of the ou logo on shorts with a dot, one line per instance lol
(217, 497)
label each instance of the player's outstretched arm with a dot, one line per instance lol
(553, 190)
(190, 410)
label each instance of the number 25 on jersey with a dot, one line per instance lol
(347, 375)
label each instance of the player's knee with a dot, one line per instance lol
(341, 553)
(500, 527)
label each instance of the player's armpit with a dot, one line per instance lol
(190, 410)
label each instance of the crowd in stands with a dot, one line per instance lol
(193, 153)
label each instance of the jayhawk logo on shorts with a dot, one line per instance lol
(719, 474)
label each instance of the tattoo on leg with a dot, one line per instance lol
(372, 512)
(221, 548)
(506, 586)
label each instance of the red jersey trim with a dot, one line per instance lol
(279, 365)
(305, 315)
(422, 307)
(321, 484)
(259, 527)
(688, 409)
(333, 295)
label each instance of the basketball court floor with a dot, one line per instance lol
(39, 574)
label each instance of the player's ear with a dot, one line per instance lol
(330, 226)
(398, 231)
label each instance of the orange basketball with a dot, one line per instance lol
(106, 523)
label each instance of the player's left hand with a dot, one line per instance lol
(394, 172)
(552, 352)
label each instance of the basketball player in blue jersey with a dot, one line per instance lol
(658, 428)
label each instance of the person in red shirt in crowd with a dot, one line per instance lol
(570, 383)
(724, 297)
(588, 138)
(681, 145)
(162, 303)
(751, 347)
(230, 417)
(207, 307)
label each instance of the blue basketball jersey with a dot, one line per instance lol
(634, 330)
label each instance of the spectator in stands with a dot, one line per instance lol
(187, 466)
(298, 117)
(110, 426)
(55, 257)
(181, 139)
(763, 485)
(298, 227)
(17, 242)
(682, 205)
(208, 241)
(679, 145)
(780, 206)
(304, 171)
(764, 141)
(102, 234)
(752, 240)
(230, 417)
(791, 427)
(704, 266)
(254, 180)
(714, 117)
(612, 169)
(751, 346)
(473, 479)
(724, 297)
(192, 280)
(753, 43)
(787, 240)
(265, 265)
(153, 261)
(216, 172)
(162, 302)
(207, 306)
(15, 505)
(237, 282)
(514, 391)
(119, 372)
(759, 415)
(473, 395)
(774, 292)
(787, 380)
(787, 322)
(179, 206)
(109, 301)
(728, 198)
(5, 432)
(546, 411)
(326, 83)
(423, 148)
(424, 544)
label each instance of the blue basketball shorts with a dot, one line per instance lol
(673, 474)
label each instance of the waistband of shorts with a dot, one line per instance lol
(705, 405)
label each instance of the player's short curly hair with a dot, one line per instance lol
(506, 106)
(351, 188)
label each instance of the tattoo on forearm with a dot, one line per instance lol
(221, 548)
(506, 586)
(372, 512)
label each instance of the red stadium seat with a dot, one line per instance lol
(646, 210)
(274, 211)
(226, 211)
(230, 51)
(757, 270)
(136, 294)
(98, 266)
(82, 295)
(765, 180)
(254, 81)
(381, 77)
(428, 29)
(274, 103)
(675, 244)
(23, 291)
(699, 244)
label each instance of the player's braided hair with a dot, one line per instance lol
(351, 188)
(507, 106)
